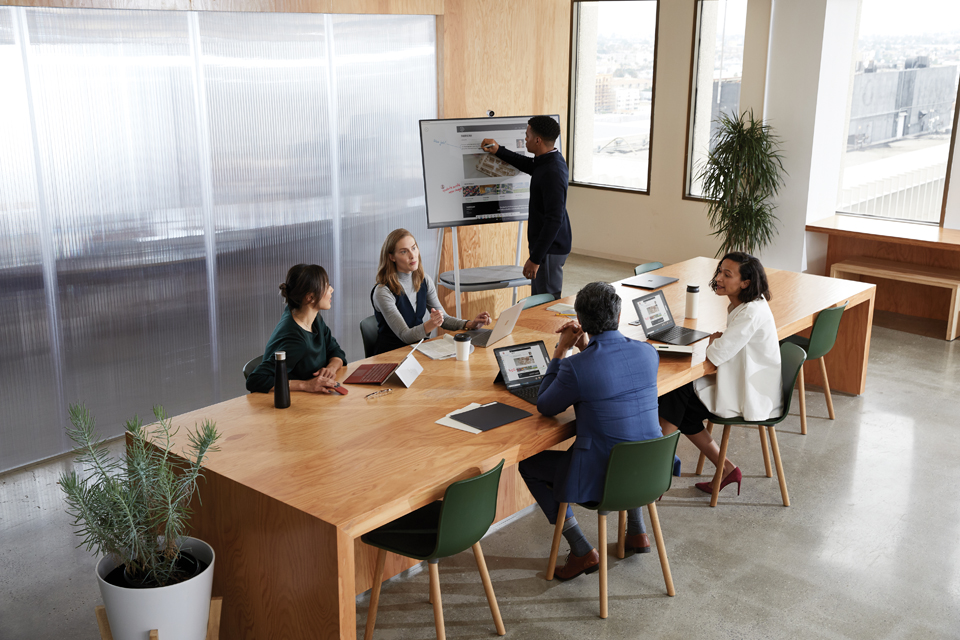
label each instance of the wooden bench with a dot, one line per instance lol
(904, 272)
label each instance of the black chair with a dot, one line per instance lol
(369, 331)
(252, 364)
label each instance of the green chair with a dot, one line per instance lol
(368, 332)
(638, 473)
(792, 358)
(540, 298)
(438, 530)
(821, 341)
(650, 266)
(252, 364)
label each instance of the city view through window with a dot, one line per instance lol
(613, 93)
(902, 102)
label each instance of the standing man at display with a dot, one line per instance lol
(548, 228)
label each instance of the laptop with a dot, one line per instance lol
(648, 281)
(504, 327)
(658, 324)
(379, 373)
(522, 367)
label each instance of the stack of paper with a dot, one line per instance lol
(441, 349)
(563, 309)
(448, 420)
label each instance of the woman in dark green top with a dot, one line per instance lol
(313, 355)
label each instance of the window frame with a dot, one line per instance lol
(571, 110)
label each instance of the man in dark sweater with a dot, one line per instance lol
(548, 227)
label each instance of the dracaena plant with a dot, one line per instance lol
(739, 177)
(137, 506)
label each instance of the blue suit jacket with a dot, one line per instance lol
(612, 386)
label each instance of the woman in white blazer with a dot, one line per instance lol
(747, 357)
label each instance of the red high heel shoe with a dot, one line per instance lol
(733, 476)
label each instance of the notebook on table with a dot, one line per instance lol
(657, 321)
(522, 367)
(405, 371)
(505, 323)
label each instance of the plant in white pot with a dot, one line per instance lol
(134, 510)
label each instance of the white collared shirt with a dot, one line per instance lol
(747, 355)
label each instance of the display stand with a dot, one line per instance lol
(479, 278)
(213, 622)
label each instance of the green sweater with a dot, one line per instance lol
(307, 352)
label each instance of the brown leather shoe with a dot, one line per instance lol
(574, 566)
(638, 542)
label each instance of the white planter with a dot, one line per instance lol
(178, 612)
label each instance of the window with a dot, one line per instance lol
(612, 83)
(902, 100)
(715, 85)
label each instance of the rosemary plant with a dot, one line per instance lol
(135, 507)
(739, 176)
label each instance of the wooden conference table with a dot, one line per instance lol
(290, 491)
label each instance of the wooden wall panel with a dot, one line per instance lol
(513, 58)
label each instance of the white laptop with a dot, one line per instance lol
(504, 327)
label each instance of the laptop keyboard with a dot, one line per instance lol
(529, 394)
(376, 372)
(670, 334)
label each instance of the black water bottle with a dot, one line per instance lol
(281, 387)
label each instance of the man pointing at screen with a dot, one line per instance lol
(548, 230)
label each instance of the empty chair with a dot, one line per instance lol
(649, 266)
(821, 341)
(792, 358)
(438, 530)
(638, 473)
(540, 298)
(368, 332)
(252, 364)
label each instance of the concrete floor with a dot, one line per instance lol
(868, 548)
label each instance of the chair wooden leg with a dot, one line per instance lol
(488, 589)
(555, 547)
(826, 389)
(661, 548)
(602, 548)
(435, 598)
(622, 535)
(803, 403)
(776, 458)
(718, 476)
(375, 594)
(703, 458)
(766, 452)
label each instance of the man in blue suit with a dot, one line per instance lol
(612, 385)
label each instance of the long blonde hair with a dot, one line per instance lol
(387, 271)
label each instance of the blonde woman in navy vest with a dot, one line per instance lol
(405, 300)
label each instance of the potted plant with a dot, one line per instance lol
(133, 510)
(742, 171)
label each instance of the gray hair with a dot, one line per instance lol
(598, 308)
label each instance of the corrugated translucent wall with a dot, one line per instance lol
(160, 172)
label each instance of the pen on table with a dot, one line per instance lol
(567, 315)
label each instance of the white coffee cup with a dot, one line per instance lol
(462, 341)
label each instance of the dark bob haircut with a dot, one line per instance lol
(302, 280)
(750, 269)
(598, 308)
(545, 127)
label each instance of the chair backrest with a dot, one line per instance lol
(824, 332)
(252, 364)
(792, 358)
(368, 332)
(540, 298)
(469, 507)
(650, 266)
(638, 473)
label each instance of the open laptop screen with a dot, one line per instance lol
(522, 363)
(653, 312)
